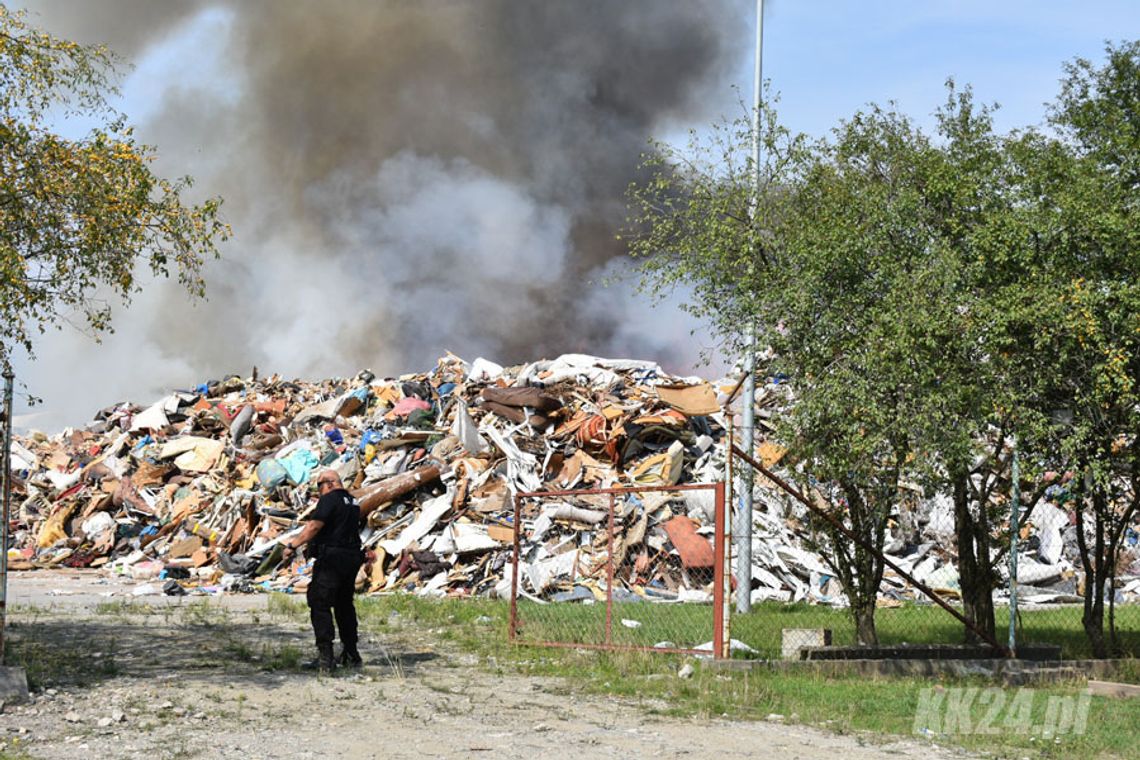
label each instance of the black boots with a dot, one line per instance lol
(350, 657)
(325, 663)
(325, 660)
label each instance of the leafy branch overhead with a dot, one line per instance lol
(78, 217)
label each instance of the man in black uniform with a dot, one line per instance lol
(334, 534)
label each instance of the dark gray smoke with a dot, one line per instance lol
(406, 178)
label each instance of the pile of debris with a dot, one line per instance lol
(197, 492)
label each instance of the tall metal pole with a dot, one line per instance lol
(726, 516)
(6, 469)
(743, 528)
(1014, 517)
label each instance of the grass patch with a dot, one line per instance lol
(689, 625)
(879, 708)
(473, 623)
(13, 752)
(123, 608)
(203, 614)
(55, 663)
(286, 606)
(267, 656)
(283, 657)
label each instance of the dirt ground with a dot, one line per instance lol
(190, 679)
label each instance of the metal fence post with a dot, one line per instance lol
(512, 627)
(720, 592)
(6, 469)
(610, 574)
(1014, 517)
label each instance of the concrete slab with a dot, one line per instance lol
(1004, 671)
(793, 640)
(13, 685)
(1025, 652)
(1115, 690)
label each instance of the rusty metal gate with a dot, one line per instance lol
(637, 568)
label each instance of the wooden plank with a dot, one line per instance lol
(501, 533)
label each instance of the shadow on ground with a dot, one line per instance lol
(74, 650)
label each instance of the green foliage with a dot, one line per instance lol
(934, 298)
(693, 221)
(77, 216)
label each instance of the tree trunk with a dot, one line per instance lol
(1093, 620)
(863, 509)
(1096, 573)
(864, 614)
(975, 572)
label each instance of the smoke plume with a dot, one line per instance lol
(403, 178)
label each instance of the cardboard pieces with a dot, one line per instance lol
(203, 484)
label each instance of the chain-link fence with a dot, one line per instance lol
(651, 568)
(1083, 595)
(802, 537)
(639, 568)
(929, 588)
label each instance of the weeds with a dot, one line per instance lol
(284, 657)
(122, 608)
(14, 752)
(286, 606)
(203, 614)
(54, 663)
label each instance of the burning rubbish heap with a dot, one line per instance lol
(196, 492)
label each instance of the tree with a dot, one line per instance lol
(971, 410)
(696, 220)
(936, 301)
(1085, 313)
(79, 216)
(819, 264)
(866, 294)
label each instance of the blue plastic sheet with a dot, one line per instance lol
(299, 464)
(371, 437)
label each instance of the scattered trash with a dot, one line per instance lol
(734, 645)
(195, 493)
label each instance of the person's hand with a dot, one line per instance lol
(290, 553)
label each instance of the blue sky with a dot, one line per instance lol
(826, 58)
(829, 58)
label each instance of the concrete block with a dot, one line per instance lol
(13, 685)
(795, 639)
(1115, 690)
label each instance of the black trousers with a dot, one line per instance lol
(330, 592)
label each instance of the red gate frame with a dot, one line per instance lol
(719, 549)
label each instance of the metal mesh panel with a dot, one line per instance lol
(1053, 581)
(619, 568)
(799, 602)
